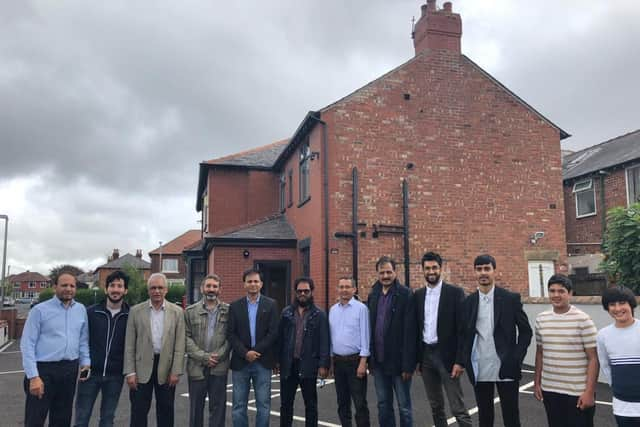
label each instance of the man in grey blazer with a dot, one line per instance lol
(154, 354)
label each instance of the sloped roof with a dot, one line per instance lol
(272, 228)
(127, 259)
(28, 276)
(616, 151)
(180, 243)
(259, 157)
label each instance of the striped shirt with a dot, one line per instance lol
(564, 338)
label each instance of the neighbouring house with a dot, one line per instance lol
(168, 258)
(87, 280)
(436, 154)
(28, 284)
(595, 180)
(117, 262)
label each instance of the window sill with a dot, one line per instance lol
(304, 202)
(586, 215)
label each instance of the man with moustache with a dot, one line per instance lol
(208, 351)
(439, 317)
(154, 354)
(393, 343)
(303, 352)
(55, 340)
(107, 329)
(252, 333)
(497, 335)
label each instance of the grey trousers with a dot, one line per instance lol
(215, 386)
(436, 377)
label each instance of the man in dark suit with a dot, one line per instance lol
(497, 334)
(393, 344)
(440, 348)
(252, 332)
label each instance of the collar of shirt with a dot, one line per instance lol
(436, 289)
(210, 310)
(488, 297)
(253, 303)
(350, 302)
(57, 300)
(154, 309)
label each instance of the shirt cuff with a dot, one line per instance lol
(130, 374)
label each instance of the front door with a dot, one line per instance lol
(539, 274)
(276, 276)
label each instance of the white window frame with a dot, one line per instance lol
(627, 182)
(166, 270)
(584, 186)
(32, 285)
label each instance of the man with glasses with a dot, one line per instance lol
(303, 353)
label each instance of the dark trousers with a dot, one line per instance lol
(436, 377)
(215, 386)
(141, 401)
(562, 411)
(59, 380)
(508, 393)
(627, 421)
(288, 387)
(350, 387)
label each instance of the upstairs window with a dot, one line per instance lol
(305, 162)
(585, 198)
(283, 192)
(170, 265)
(633, 185)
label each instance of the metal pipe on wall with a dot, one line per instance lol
(405, 225)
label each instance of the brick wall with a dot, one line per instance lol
(156, 267)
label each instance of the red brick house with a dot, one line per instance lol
(168, 258)
(434, 155)
(117, 262)
(28, 284)
(595, 180)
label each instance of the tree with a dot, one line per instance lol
(622, 246)
(137, 287)
(53, 274)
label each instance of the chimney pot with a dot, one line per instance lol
(447, 6)
(138, 253)
(431, 5)
(423, 10)
(116, 254)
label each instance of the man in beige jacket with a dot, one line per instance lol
(208, 351)
(154, 354)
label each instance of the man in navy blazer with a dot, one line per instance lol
(440, 347)
(497, 334)
(252, 333)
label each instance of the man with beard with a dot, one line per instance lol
(439, 320)
(303, 352)
(208, 351)
(54, 342)
(393, 343)
(107, 329)
(497, 334)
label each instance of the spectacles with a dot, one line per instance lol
(303, 291)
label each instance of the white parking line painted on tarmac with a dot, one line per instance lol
(6, 346)
(11, 372)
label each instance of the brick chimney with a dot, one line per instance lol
(116, 254)
(438, 29)
(138, 253)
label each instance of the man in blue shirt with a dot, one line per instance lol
(55, 339)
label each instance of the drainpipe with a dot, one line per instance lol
(405, 224)
(603, 174)
(354, 224)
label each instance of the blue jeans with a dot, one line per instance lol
(261, 378)
(110, 386)
(386, 385)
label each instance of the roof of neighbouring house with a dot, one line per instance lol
(28, 276)
(127, 259)
(180, 243)
(616, 151)
(274, 227)
(259, 157)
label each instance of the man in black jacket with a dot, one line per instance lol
(252, 333)
(439, 320)
(497, 334)
(303, 352)
(107, 328)
(393, 343)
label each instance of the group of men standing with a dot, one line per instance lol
(435, 330)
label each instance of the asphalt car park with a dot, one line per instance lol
(532, 411)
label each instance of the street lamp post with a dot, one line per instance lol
(4, 257)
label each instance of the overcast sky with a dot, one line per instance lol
(106, 108)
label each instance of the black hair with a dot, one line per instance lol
(251, 271)
(484, 259)
(349, 278)
(299, 280)
(618, 294)
(118, 274)
(559, 279)
(63, 270)
(431, 256)
(384, 259)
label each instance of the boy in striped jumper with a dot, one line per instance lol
(619, 354)
(566, 359)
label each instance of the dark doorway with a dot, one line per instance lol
(276, 277)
